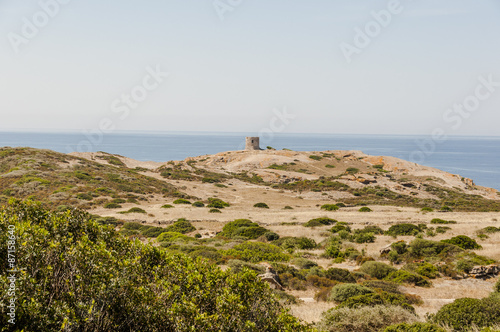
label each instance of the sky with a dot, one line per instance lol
(417, 67)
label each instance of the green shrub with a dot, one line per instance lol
(421, 248)
(401, 276)
(289, 242)
(403, 229)
(427, 209)
(261, 205)
(244, 228)
(329, 207)
(271, 236)
(324, 221)
(112, 206)
(373, 299)
(441, 221)
(134, 210)
(489, 230)
(237, 266)
(377, 270)
(214, 211)
(257, 252)
(82, 276)
(463, 242)
(340, 205)
(442, 229)
(365, 209)
(167, 206)
(465, 313)
(341, 275)
(217, 203)
(303, 263)
(329, 166)
(288, 207)
(352, 170)
(496, 288)
(180, 226)
(198, 204)
(415, 327)
(383, 285)
(181, 201)
(315, 157)
(84, 196)
(340, 226)
(364, 238)
(364, 319)
(342, 292)
(427, 270)
(172, 237)
(446, 209)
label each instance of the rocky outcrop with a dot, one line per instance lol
(272, 278)
(484, 272)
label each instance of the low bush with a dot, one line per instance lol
(217, 203)
(363, 238)
(134, 210)
(329, 207)
(167, 206)
(288, 207)
(442, 221)
(340, 226)
(180, 226)
(463, 242)
(342, 292)
(214, 211)
(289, 242)
(112, 206)
(427, 209)
(261, 205)
(303, 263)
(341, 275)
(271, 236)
(377, 270)
(401, 276)
(403, 229)
(383, 285)
(257, 252)
(364, 319)
(237, 266)
(181, 201)
(198, 204)
(465, 313)
(365, 209)
(242, 228)
(373, 299)
(427, 270)
(324, 221)
(173, 237)
(415, 327)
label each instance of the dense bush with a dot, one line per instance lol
(217, 203)
(81, 276)
(373, 299)
(342, 292)
(441, 221)
(112, 205)
(377, 270)
(329, 207)
(323, 221)
(171, 237)
(364, 319)
(198, 204)
(463, 242)
(261, 205)
(289, 242)
(167, 206)
(180, 226)
(403, 229)
(271, 236)
(342, 275)
(181, 201)
(303, 263)
(340, 226)
(134, 210)
(427, 270)
(244, 228)
(401, 276)
(415, 327)
(214, 211)
(464, 313)
(257, 252)
(365, 209)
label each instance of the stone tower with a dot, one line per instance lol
(252, 143)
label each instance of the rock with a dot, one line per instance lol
(484, 272)
(272, 278)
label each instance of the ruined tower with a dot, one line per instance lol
(252, 143)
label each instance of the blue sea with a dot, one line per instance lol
(477, 158)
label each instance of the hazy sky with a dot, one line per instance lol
(333, 66)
